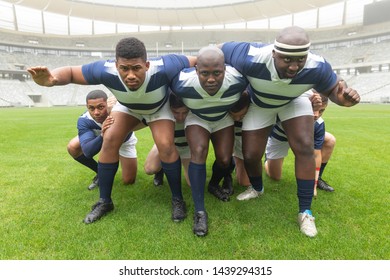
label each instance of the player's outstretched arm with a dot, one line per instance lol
(59, 76)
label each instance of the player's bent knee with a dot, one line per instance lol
(330, 140)
(275, 177)
(149, 170)
(129, 181)
(73, 150)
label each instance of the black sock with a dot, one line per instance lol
(88, 162)
(232, 165)
(305, 194)
(323, 165)
(218, 174)
(197, 176)
(173, 173)
(106, 173)
(257, 182)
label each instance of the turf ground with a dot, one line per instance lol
(43, 199)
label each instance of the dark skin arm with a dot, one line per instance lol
(59, 76)
(192, 60)
(343, 95)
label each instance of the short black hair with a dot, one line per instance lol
(130, 48)
(175, 101)
(95, 94)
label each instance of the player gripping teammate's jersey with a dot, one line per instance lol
(89, 132)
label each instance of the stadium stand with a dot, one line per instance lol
(355, 52)
(373, 87)
(15, 93)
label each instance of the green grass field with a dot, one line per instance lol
(43, 199)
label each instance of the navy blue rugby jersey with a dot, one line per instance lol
(89, 132)
(153, 93)
(207, 107)
(319, 133)
(266, 89)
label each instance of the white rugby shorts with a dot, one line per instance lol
(164, 113)
(128, 149)
(211, 127)
(257, 118)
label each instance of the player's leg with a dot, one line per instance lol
(152, 166)
(328, 147)
(256, 126)
(223, 141)
(128, 159)
(252, 160)
(186, 162)
(163, 135)
(241, 175)
(275, 152)
(227, 184)
(299, 132)
(273, 168)
(297, 121)
(198, 141)
(326, 153)
(74, 149)
(109, 161)
(152, 162)
(129, 169)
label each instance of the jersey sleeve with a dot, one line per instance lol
(102, 72)
(236, 54)
(89, 142)
(174, 63)
(328, 78)
(92, 72)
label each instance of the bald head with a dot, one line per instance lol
(293, 35)
(292, 41)
(210, 55)
(210, 68)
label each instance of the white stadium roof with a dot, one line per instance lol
(173, 12)
(43, 16)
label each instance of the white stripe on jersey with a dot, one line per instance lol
(320, 120)
(202, 104)
(283, 88)
(267, 89)
(153, 92)
(276, 87)
(151, 101)
(180, 137)
(111, 67)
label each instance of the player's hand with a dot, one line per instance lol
(107, 124)
(111, 101)
(42, 76)
(348, 96)
(316, 101)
